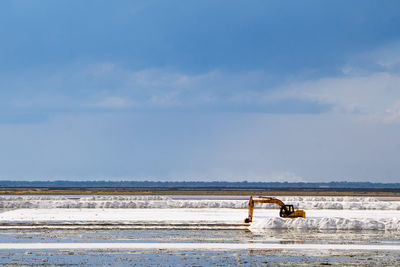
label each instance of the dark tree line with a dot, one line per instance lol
(219, 184)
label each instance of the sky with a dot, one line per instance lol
(255, 90)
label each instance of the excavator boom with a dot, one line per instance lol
(287, 211)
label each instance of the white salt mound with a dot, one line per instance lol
(161, 202)
(388, 224)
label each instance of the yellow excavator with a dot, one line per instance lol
(287, 211)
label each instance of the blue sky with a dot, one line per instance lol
(200, 90)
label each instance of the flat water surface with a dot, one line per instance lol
(164, 257)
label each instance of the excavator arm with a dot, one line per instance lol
(287, 211)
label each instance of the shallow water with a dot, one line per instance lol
(201, 236)
(165, 257)
(195, 258)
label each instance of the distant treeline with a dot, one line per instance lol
(190, 184)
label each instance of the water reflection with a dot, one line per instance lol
(282, 236)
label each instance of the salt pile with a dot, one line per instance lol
(387, 224)
(160, 202)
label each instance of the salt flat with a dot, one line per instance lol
(183, 214)
(263, 219)
(131, 215)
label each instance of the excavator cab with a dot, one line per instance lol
(287, 211)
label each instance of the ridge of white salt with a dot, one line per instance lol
(166, 216)
(162, 202)
(263, 219)
(386, 224)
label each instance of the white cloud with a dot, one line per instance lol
(368, 88)
(113, 102)
(368, 95)
(361, 89)
(393, 114)
(387, 56)
(168, 99)
(163, 88)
